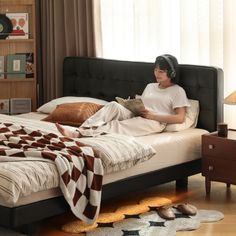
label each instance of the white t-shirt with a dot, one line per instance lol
(164, 101)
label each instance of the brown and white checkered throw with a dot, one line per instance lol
(80, 171)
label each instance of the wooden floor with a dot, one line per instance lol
(221, 199)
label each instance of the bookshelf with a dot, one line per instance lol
(19, 87)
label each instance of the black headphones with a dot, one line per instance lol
(172, 72)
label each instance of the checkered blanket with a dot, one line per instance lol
(80, 171)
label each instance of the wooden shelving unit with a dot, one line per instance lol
(19, 87)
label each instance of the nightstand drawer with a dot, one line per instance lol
(219, 147)
(221, 170)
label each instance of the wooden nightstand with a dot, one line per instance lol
(219, 158)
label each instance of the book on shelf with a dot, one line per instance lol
(29, 64)
(2, 66)
(20, 23)
(16, 66)
(135, 105)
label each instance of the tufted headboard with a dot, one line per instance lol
(106, 79)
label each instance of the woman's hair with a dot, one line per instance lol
(170, 64)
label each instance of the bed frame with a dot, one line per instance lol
(106, 79)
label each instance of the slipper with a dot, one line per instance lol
(187, 209)
(166, 213)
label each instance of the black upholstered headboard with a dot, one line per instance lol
(106, 79)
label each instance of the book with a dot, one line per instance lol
(2, 67)
(29, 66)
(20, 23)
(16, 66)
(135, 105)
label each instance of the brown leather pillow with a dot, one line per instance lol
(73, 114)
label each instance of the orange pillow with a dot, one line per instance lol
(73, 114)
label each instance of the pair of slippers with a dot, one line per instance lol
(168, 214)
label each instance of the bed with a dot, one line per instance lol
(105, 79)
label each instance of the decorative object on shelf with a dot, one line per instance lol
(20, 23)
(29, 66)
(16, 66)
(2, 67)
(231, 99)
(20, 105)
(6, 26)
(222, 129)
(4, 106)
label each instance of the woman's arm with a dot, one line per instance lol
(177, 118)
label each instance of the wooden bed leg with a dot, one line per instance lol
(182, 184)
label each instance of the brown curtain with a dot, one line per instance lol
(65, 28)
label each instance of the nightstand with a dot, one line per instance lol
(219, 158)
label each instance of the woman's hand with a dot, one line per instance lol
(148, 114)
(176, 118)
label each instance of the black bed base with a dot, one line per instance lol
(22, 218)
(178, 173)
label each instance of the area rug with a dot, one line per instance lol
(142, 220)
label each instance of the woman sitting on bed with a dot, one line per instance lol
(165, 103)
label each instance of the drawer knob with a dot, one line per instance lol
(210, 168)
(211, 146)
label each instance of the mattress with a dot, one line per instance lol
(27, 181)
(172, 148)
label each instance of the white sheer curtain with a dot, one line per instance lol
(196, 32)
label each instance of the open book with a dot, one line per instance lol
(135, 105)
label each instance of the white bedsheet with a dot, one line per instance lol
(172, 148)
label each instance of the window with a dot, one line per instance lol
(196, 32)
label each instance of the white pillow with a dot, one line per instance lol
(191, 118)
(51, 106)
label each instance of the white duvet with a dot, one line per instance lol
(117, 152)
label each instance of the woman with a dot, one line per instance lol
(165, 103)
